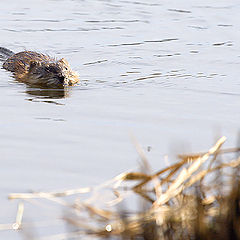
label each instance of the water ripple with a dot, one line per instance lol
(179, 11)
(146, 41)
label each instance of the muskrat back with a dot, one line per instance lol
(40, 69)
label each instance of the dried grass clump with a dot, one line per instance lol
(196, 198)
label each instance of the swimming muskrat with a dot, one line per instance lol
(38, 69)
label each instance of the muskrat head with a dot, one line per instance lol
(52, 74)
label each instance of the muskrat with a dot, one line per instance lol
(38, 69)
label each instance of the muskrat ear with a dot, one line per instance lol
(33, 64)
(64, 61)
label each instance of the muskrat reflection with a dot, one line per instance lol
(48, 93)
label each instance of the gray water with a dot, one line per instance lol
(166, 72)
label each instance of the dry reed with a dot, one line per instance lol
(196, 198)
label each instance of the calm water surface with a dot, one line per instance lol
(166, 72)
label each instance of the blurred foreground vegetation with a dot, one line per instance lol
(196, 198)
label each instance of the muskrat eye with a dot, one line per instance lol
(65, 68)
(33, 64)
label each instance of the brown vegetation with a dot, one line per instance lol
(196, 198)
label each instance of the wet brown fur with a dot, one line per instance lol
(40, 69)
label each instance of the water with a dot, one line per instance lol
(164, 72)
